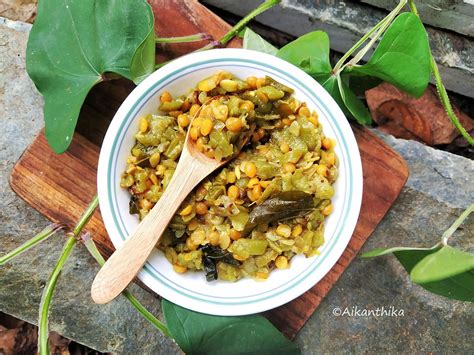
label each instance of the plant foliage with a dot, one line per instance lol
(441, 269)
(73, 45)
(198, 333)
(401, 58)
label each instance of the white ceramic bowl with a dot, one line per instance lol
(191, 290)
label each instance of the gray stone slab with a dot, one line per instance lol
(347, 21)
(454, 15)
(446, 177)
(439, 187)
(115, 327)
(430, 324)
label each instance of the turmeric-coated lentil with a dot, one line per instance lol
(237, 222)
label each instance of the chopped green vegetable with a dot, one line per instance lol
(262, 208)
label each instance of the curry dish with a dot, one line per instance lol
(260, 210)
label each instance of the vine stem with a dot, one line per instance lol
(442, 94)
(444, 98)
(340, 62)
(184, 39)
(92, 248)
(48, 291)
(242, 23)
(235, 29)
(450, 231)
(387, 22)
(48, 295)
(43, 235)
(146, 314)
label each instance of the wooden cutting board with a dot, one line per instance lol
(61, 186)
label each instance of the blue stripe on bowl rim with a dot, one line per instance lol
(112, 178)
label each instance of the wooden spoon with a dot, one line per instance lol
(128, 259)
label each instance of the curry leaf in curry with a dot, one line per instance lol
(284, 205)
(198, 333)
(211, 255)
(71, 47)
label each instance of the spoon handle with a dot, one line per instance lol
(128, 259)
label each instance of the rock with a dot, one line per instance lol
(116, 327)
(439, 188)
(347, 21)
(445, 177)
(455, 15)
(19, 10)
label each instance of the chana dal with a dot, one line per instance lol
(260, 210)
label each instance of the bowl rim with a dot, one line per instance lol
(334, 114)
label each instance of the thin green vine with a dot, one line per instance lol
(242, 23)
(444, 98)
(146, 314)
(43, 329)
(92, 248)
(413, 8)
(450, 231)
(51, 284)
(86, 216)
(386, 23)
(184, 39)
(443, 95)
(361, 41)
(379, 28)
(47, 296)
(235, 29)
(43, 235)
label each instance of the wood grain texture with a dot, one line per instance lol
(61, 186)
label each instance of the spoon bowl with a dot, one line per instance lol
(190, 289)
(121, 268)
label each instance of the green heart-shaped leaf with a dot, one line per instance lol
(309, 52)
(444, 263)
(441, 270)
(329, 82)
(359, 84)
(403, 56)
(198, 333)
(345, 98)
(143, 60)
(72, 45)
(255, 42)
(355, 106)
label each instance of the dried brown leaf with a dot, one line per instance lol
(404, 116)
(16, 336)
(18, 10)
